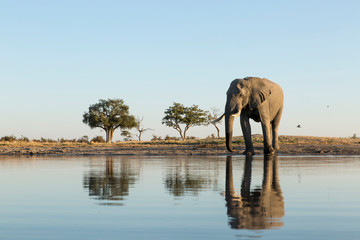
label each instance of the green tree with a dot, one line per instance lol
(177, 114)
(109, 115)
(127, 135)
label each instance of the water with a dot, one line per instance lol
(179, 197)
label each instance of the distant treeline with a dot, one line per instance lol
(85, 139)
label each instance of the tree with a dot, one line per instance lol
(177, 114)
(213, 116)
(140, 128)
(109, 115)
(127, 135)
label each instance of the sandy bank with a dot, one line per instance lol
(289, 145)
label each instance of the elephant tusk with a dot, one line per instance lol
(219, 119)
(236, 114)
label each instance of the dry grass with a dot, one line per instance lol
(216, 141)
(40, 144)
(288, 145)
(317, 140)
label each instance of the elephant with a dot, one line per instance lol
(259, 99)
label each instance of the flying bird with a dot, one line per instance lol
(298, 126)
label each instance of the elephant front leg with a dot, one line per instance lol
(275, 140)
(275, 129)
(267, 132)
(246, 129)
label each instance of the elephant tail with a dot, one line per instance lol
(218, 119)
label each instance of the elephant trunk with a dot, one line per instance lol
(229, 121)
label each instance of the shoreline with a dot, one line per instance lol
(289, 145)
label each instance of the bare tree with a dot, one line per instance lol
(214, 114)
(140, 128)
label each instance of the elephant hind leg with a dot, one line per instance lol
(275, 127)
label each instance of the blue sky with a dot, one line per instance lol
(58, 57)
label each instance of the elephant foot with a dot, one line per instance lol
(249, 152)
(269, 151)
(276, 147)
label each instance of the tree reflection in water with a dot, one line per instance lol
(188, 177)
(259, 208)
(111, 182)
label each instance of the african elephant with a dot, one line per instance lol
(259, 99)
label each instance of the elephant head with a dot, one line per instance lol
(247, 93)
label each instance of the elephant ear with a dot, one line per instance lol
(259, 94)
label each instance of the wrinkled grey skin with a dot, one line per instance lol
(259, 99)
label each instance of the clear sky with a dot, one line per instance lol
(58, 57)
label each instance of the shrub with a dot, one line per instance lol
(191, 138)
(83, 139)
(98, 139)
(11, 138)
(168, 138)
(212, 136)
(49, 140)
(156, 138)
(63, 140)
(24, 139)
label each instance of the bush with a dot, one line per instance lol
(98, 139)
(24, 139)
(212, 136)
(47, 140)
(168, 138)
(63, 140)
(83, 139)
(11, 138)
(191, 138)
(156, 138)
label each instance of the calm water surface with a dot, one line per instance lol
(180, 197)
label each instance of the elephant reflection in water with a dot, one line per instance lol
(255, 209)
(111, 182)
